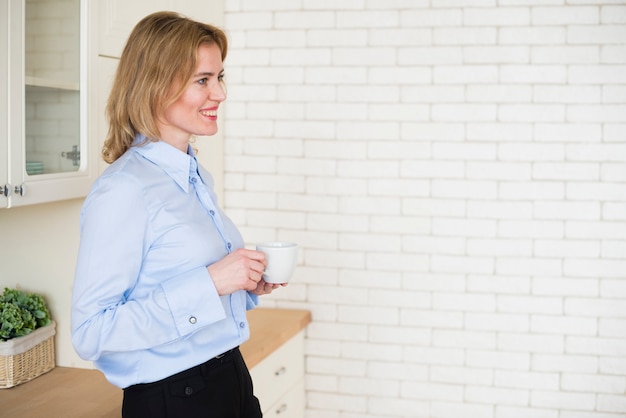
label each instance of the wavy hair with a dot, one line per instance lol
(161, 52)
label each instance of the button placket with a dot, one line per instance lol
(208, 204)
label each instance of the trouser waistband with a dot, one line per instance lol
(201, 369)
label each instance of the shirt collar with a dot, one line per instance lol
(171, 160)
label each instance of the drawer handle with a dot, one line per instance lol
(281, 409)
(280, 371)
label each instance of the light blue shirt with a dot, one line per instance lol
(144, 306)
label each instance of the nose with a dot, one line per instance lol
(218, 92)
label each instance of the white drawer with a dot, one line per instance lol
(289, 406)
(279, 372)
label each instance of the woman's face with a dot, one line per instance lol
(195, 111)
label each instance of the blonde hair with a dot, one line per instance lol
(161, 52)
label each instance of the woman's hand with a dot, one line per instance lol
(264, 288)
(240, 270)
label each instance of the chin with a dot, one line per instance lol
(206, 132)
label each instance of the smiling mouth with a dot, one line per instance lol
(210, 113)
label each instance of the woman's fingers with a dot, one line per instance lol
(239, 270)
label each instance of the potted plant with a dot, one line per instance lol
(26, 337)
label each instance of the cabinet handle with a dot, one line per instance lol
(281, 409)
(20, 190)
(5, 190)
(280, 371)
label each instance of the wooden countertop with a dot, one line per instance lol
(66, 392)
(269, 329)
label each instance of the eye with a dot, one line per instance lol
(202, 81)
(222, 81)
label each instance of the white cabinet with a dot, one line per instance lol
(4, 100)
(279, 380)
(47, 114)
(291, 405)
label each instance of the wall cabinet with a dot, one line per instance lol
(47, 147)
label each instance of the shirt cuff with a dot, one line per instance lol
(193, 301)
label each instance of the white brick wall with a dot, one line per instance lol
(455, 172)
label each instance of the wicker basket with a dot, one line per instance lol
(24, 358)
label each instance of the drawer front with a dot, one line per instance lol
(289, 406)
(279, 371)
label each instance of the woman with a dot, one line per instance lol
(162, 279)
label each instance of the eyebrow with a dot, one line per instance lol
(208, 73)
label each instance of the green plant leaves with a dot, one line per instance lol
(21, 313)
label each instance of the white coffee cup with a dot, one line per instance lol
(281, 258)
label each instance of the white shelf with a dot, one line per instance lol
(52, 84)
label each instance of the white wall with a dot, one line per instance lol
(455, 173)
(39, 246)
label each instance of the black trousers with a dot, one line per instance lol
(219, 388)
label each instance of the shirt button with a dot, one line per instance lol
(229, 245)
(212, 212)
(193, 179)
(188, 391)
(192, 320)
(242, 325)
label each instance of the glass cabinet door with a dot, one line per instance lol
(52, 131)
